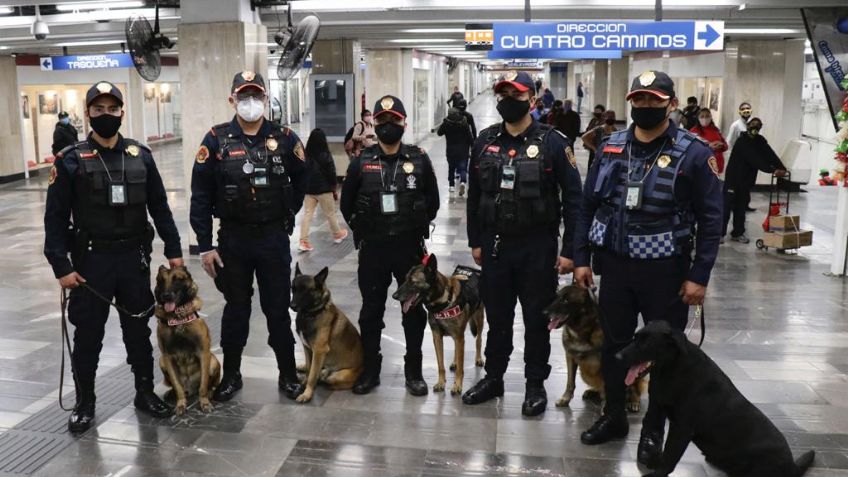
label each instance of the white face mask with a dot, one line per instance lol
(250, 109)
(705, 121)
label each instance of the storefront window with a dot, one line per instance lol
(161, 111)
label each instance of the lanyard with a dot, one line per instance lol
(392, 187)
(108, 174)
(630, 158)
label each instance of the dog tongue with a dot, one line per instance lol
(170, 306)
(407, 304)
(552, 325)
(634, 372)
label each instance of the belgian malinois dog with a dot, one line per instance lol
(188, 364)
(331, 344)
(582, 339)
(452, 303)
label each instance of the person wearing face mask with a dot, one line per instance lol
(592, 139)
(251, 174)
(709, 132)
(752, 153)
(597, 117)
(651, 189)
(520, 169)
(102, 189)
(363, 133)
(539, 110)
(65, 134)
(389, 197)
(740, 126)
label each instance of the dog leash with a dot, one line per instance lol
(143, 314)
(66, 344)
(699, 316)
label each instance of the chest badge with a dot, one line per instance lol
(663, 161)
(408, 167)
(271, 144)
(411, 183)
(132, 150)
(532, 151)
(247, 168)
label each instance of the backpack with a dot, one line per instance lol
(349, 143)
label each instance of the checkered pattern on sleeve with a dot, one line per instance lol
(597, 232)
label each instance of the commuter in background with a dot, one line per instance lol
(690, 113)
(548, 99)
(597, 117)
(593, 137)
(459, 131)
(454, 98)
(65, 133)
(539, 112)
(579, 96)
(740, 126)
(363, 133)
(570, 122)
(320, 190)
(708, 131)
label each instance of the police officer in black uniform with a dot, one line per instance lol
(389, 197)
(106, 185)
(251, 174)
(518, 169)
(651, 198)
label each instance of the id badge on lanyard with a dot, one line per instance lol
(259, 178)
(117, 194)
(508, 177)
(633, 199)
(388, 203)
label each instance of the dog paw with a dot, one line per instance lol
(479, 363)
(635, 406)
(592, 395)
(205, 405)
(438, 387)
(453, 367)
(565, 400)
(305, 396)
(180, 408)
(456, 389)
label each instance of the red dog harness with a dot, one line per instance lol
(182, 315)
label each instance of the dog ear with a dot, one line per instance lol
(297, 271)
(162, 268)
(322, 276)
(432, 263)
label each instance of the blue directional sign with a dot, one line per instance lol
(86, 62)
(602, 39)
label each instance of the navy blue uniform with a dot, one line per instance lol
(644, 253)
(109, 245)
(522, 266)
(255, 225)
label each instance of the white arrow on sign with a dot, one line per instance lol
(46, 64)
(709, 35)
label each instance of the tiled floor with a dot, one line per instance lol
(776, 325)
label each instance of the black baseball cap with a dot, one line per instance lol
(656, 83)
(247, 79)
(389, 104)
(521, 80)
(63, 114)
(102, 88)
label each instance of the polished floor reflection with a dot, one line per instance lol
(776, 325)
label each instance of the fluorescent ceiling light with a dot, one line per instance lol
(742, 7)
(434, 30)
(6, 10)
(70, 7)
(90, 43)
(4, 47)
(760, 31)
(425, 40)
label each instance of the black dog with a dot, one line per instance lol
(704, 407)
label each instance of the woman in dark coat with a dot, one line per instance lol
(320, 189)
(750, 154)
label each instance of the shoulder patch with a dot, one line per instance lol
(569, 153)
(202, 155)
(298, 151)
(53, 174)
(713, 163)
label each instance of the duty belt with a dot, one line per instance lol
(115, 245)
(252, 230)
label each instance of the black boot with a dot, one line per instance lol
(370, 377)
(605, 429)
(83, 414)
(535, 398)
(485, 389)
(288, 381)
(231, 382)
(147, 401)
(414, 379)
(650, 449)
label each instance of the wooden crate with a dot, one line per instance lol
(783, 223)
(784, 240)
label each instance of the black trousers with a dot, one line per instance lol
(735, 202)
(630, 287)
(379, 261)
(119, 276)
(523, 271)
(267, 256)
(457, 164)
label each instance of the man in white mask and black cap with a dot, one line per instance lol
(251, 174)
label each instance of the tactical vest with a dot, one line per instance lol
(529, 200)
(253, 186)
(95, 209)
(403, 177)
(662, 226)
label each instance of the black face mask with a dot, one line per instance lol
(609, 121)
(649, 118)
(597, 115)
(512, 110)
(106, 125)
(389, 133)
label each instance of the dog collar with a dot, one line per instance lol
(451, 312)
(181, 320)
